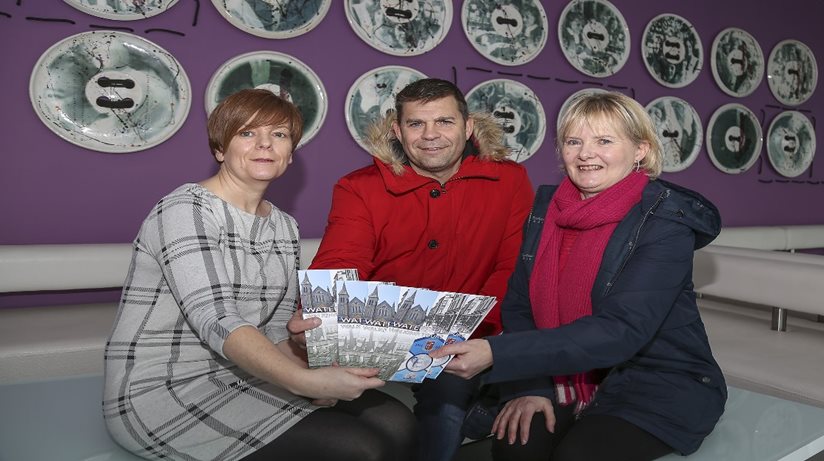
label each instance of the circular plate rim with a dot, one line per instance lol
(628, 40)
(708, 134)
(234, 21)
(324, 98)
(117, 17)
(792, 113)
(714, 66)
(502, 62)
(185, 85)
(696, 151)
(350, 95)
(448, 20)
(770, 80)
(700, 43)
(541, 114)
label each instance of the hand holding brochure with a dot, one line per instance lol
(381, 325)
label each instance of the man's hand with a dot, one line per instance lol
(297, 327)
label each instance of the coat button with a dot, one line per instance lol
(435, 193)
(705, 379)
(432, 244)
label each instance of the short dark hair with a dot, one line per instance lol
(258, 107)
(427, 90)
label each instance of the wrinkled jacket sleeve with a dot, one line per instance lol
(625, 320)
(516, 315)
(496, 284)
(349, 240)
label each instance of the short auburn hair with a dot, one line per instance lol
(251, 108)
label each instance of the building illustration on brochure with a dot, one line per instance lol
(317, 297)
(369, 324)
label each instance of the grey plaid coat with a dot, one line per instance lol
(200, 269)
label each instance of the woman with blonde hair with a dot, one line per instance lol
(603, 355)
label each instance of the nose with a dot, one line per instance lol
(264, 142)
(430, 131)
(585, 153)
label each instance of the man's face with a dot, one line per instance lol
(433, 136)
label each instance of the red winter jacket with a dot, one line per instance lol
(461, 236)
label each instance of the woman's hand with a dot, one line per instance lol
(516, 418)
(329, 384)
(297, 327)
(471, 357)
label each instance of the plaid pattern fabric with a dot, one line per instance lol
(200, 269)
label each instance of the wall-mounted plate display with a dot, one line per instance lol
(672, 50)
(594, 37)
(122, 10)
(737, 62)
(279, 73)
(791, 143)
(507, 32)
(517, 109)
(268, 19)
(372, 96)
(110, 91)
(400, 28)
(733, 138)
(679, 130)
(571, 98)
(792, 72)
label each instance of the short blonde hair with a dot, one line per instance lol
(619, 111)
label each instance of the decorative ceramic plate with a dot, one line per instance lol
(372, 96)
(791, 143)
(733, 138)
(569, 100)
(122, 10)
(270, 19)
(737, 62)
(679, 130)
(280, 73)
(594, 37)
(672, 50)
(400, 27)
(110, 91)
(507, 32)
(792, 72)
(517, 109)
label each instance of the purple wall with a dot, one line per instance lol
(55, 192)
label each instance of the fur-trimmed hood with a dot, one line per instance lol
(487, 140)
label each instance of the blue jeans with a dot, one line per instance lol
(440, 409)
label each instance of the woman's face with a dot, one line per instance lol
(598, 155)
(257, 155)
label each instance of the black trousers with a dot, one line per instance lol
(374, 427)
(591, 438)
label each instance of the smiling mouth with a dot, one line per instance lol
(589, 167)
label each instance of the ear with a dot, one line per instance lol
(642, 151)
(219, 156)
(470, 126)
(397, 130)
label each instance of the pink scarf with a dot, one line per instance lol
(562, 294)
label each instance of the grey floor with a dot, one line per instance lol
(479, 451)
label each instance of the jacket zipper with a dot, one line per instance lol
(635, 239)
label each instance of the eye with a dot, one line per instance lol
(414, 124)
(280, 134)
(446, 122)
(572, 142)
(604, 141)
(245, 133)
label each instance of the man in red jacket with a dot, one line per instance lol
(432, 211)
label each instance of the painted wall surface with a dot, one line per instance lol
(52, 191)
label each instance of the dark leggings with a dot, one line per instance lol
(591, 438)
(374, 427)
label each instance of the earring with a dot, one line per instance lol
(637, 166)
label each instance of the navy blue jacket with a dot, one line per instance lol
(645, 327)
